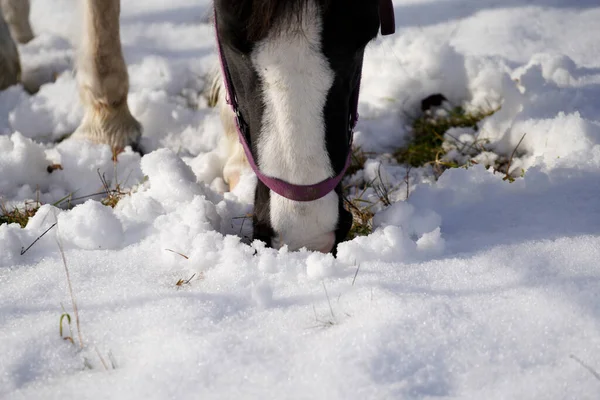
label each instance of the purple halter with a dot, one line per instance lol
(282, 188)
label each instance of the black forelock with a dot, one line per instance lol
(262, 15)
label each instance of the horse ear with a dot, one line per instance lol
(386, 17)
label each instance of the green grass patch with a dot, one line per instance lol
(430, 144)
(428, 130)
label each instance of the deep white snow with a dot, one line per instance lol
(472, 288)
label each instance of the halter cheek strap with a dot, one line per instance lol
(386, 17)
(282, 188)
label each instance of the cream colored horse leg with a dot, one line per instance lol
(10, 67)
(103, 80)
(236, 160)
(16, 13)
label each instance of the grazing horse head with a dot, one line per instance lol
(292, 72)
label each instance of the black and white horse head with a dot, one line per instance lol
(292, 69)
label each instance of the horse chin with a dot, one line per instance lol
(323, 243)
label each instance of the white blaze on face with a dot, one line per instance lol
(296, 78)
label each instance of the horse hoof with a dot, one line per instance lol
(115, 127)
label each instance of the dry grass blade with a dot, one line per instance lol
(60, 329)
(584, 365)
(243, 218)
(382, 190)
(101, 359)
(23, 251)
(182, 282)
(73, 302)
(113, 362)
(328, 300)
(178, 253)
(508, 177)
(70, 199)
(321, 323)
(355, 274)
(407, 182)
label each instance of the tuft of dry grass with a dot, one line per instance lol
(182, 282)
(329, 321)
(113, 196)
(362, 217)
(19, 215)
(507, 176)
(362, 210)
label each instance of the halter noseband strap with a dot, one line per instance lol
(282, 188)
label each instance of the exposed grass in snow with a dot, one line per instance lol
(18, 215)
(360, 208)
(363, 210)
(357, 161)
(444, 136)
(22, 213)
(448, 137)
(429, 142)
(362, 217)
(113, 196)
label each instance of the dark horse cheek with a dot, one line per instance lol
(261, 219)
(344, 223)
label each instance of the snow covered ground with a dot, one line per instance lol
(472, 288)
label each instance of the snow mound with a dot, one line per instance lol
(91, 226)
